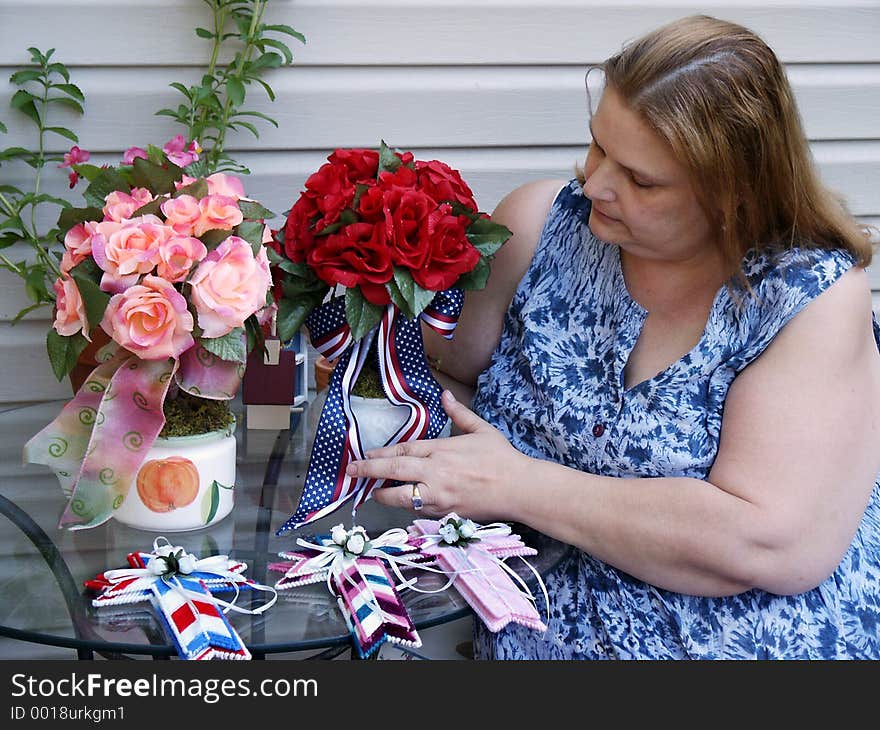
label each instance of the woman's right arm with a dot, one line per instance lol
(461, 359)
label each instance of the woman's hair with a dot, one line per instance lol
(720, 97)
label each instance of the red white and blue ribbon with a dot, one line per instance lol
(356, 570)
(182, 589)
(406, 378)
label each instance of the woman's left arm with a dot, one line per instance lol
(797, 460)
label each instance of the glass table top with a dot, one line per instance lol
(42, 598)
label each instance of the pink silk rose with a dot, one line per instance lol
(228, 185)
(119, 206)
(182, 214)
(150, 319)
(219, 212)
(229, 285)
(77, 245)
(126, 250)
(177, 256)
(70, 312)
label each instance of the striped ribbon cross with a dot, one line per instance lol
(185, 598)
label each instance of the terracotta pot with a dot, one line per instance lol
(323, 371)
(185, 483)
(87, 361)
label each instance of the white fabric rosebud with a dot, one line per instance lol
(187, 564)
(338, 534)
(157, 566)
(467, 529)
(165, 550)
(356, 543)
(449, 533)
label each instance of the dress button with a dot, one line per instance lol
(598, 429)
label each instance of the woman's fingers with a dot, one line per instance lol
(463, 417)
(395, 468)
(414, 496)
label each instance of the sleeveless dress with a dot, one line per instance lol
(554, 388)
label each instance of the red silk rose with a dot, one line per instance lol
(389, 228)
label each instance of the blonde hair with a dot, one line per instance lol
(720, 97)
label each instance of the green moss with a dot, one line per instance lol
(187, 415)
(369, 382)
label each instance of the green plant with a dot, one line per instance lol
(215, 105)
(42, 88)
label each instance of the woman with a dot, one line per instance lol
(677, 372)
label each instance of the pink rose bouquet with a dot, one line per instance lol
(172, 268)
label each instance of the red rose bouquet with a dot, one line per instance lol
(388, 228)
(402, 238)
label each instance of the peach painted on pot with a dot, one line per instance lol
(185, 483)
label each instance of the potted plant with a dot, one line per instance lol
(173, 269)
(377, 244)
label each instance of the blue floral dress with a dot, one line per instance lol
(554, 388)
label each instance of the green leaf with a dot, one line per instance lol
(198, 189)
(230, 347)
(105, 183)
(210, 502)
(476, 278)
(71, 90)
(95, 301)
(204, 33)
(267, 88)
(236, 91)
(287, 30)
(292, 313)
(35, 285)
(64, 132)
(246, 125)
(71, 216)
(25, 75)
(388, 161)
(487, 236)
(64, 101)
(3, 128)
(361, 315)
(58, 68)
(259, 115)
(89, 172)
(254, 211)
(11, 152)
(158, 178)
(267, 60)
(24, 102)
(278, 46)
(252, 232)
(214, 238)
(64, 351)
(151, 208)
(397, 296)
(181, 88)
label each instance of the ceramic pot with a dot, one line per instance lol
(378, 419)
(185, 483)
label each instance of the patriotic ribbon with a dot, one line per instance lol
(355, 569)
(96, 445)
(475, 555)
(406, 379)
(181, 588)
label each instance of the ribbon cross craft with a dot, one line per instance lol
(355, 568)
(406, 379)
(182, 588)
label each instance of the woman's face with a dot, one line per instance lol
(642, 198)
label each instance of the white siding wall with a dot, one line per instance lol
(494, 87)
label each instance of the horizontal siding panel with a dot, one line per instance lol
(27, 376)
(430, 32)
(438, 107)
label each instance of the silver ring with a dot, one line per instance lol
(417, 502)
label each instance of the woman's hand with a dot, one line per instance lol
(473, 474)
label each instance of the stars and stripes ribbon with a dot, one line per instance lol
(182, 589)
(406, 379)
(358, 575)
